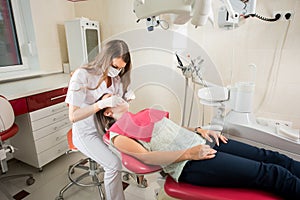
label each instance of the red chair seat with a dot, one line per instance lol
(186, 191)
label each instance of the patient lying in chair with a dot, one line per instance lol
(198, 156)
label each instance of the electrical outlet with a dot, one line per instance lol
(280, 13)
(288, 15)
(284, 15)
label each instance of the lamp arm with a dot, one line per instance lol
(196, 10)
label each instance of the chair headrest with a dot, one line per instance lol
(7, 117)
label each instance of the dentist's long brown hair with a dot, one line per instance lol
(112, 49)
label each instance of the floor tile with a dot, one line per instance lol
(53, 178)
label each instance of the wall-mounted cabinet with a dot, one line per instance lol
(83, 41)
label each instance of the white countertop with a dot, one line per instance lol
(26, 87)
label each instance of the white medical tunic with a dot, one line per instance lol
(85, 134)
(79, 95)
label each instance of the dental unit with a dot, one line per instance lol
(233, 112)
(232, 105)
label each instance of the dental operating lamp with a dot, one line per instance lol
(196, 11)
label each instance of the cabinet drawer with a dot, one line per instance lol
(47, 121)
(45, 99)
(51, 154)
(38, 114)
(51, 140)
(51, 129)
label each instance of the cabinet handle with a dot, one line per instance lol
(58, 97)
(58, 127)
(60, 118)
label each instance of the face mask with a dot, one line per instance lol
(113, 72)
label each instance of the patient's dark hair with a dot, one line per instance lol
(103, 122)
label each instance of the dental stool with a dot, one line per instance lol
(91, 169)
(131, 166)
(8, 129)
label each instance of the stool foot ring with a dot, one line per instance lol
(92, 171)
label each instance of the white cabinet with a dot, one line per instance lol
(83, 41)
(42, 133)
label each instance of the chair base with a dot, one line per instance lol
(140, 180)
(92, 171)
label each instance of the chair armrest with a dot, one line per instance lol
(137, 166)
(132, 164)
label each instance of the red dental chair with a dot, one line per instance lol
(8, 129)
(186, 191)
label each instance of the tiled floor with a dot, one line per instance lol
(54, 176)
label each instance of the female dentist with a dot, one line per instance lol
(108, 73)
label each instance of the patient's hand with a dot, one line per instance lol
(201, 152)
(209, 135)
(223, 138)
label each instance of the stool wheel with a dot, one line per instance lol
(30, 181)
(126, 177)
(143, 184)
(59, 198)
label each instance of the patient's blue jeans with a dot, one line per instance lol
(240, 165)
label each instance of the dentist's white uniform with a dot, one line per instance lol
(85, 134)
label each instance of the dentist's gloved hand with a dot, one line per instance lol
(129, 95)
(112, 101)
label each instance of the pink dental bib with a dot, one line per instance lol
(140, 125)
